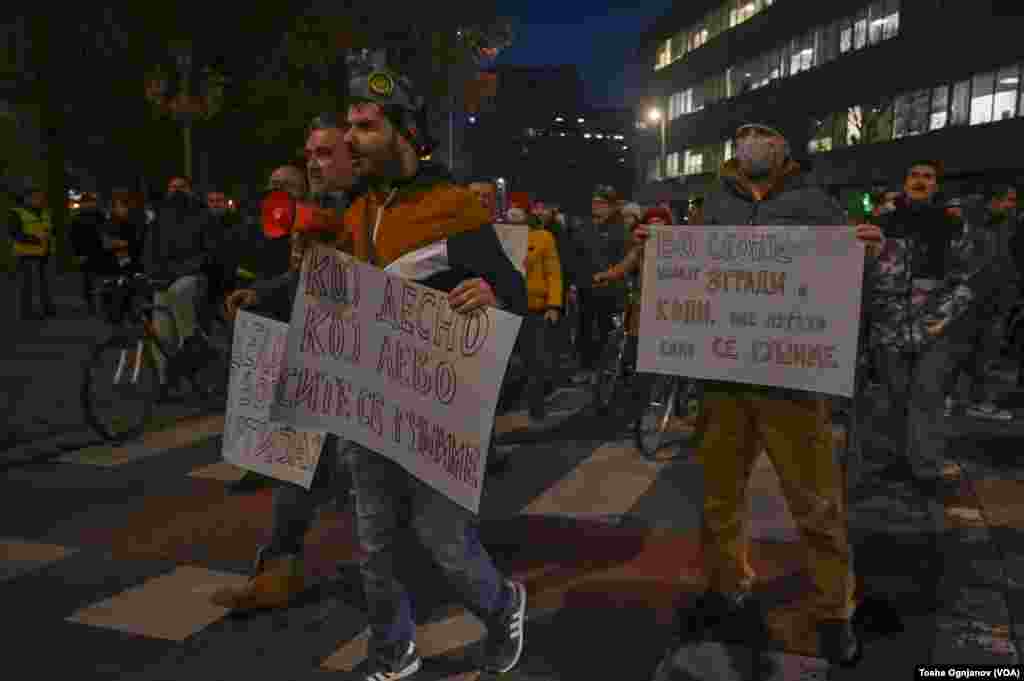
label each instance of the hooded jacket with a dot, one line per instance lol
(432, 231)
(927, 273)
(791, 200)
(175, 244)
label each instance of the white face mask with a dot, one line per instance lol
(757, 155)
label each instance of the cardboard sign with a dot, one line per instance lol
(251, 439)
(386, 363)
(772, 306)
(515, 239)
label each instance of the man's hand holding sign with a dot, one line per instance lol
(398, 367)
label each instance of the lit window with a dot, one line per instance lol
(728, 152)
(828, 44)
(698, 37)
(531, 132)
(586, 135)
(599, 136)
(694, 163)
(672, 164)
(619, 137)
(940, 106)
(982, 98)
(579, 120)
(664, 56)
(1007, 82)
(892, 19)
(740, 11)
(911, 114)
(860, 30)
(624, 147)
(562, 134)
(845, 36)
(679, 45)
(960, 106)
(876, 17)
(801, 54)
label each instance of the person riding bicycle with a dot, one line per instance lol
(175, 250)
(632, 266)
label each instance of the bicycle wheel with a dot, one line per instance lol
(119, 387)
(665, 423)
(608, 381)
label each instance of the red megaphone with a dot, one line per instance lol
(282, 214)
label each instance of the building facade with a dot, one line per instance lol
(860, 88)
(538, 134)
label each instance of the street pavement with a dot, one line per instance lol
(108, 556)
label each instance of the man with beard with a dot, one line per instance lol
(763, 185)
(931, 283)
(411, 207)
(278, 575)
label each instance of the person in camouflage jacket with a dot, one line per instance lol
(928, 280)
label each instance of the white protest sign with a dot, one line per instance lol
(251, 440)
(773, 306)
(386, 363)
(515, 239)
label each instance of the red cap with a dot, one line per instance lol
(656, 212)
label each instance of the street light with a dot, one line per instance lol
(654, 115)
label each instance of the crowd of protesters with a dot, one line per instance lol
(941, 290)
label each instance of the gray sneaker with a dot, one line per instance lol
(989, 412)
(505, 635)
(377, 668)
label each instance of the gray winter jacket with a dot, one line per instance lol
(793, 201)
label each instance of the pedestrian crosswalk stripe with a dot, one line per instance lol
(171, 607)
(18, 556)
(186, 432)
(587, 486)
(221, 471)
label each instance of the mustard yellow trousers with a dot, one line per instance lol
(797, 435)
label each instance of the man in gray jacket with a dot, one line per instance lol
(764, 186)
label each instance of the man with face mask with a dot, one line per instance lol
(763, 185)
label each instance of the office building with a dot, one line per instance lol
(860, 88)
(539, 135)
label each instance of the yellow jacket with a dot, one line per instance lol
(543, 272)
(37, 226)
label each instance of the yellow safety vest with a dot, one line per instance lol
(37, 226)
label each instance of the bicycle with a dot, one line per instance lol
(129, 358)
(674, 416)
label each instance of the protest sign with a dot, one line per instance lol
(773, 306)
(386, 363)
(251, 439)
(515, 239)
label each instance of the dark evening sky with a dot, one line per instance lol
(598, 37)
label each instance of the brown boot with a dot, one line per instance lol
(274, 586)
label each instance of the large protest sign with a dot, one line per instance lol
(251, 439)
(774, 306)
(515, 239)
(386, 363)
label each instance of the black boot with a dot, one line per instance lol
(839, 644)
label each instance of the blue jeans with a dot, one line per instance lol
(390, 500)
